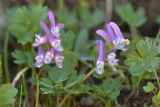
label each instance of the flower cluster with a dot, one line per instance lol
(52, 38)
(113, 35)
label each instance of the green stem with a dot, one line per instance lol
(6, 69)
(63, 100)
(20, 98)
(33, 73)
(37, 94)
(1, 76)
(156, 77)
(41, 2)
(88, 75)
(25, 90)
(58, 99)
(50, 101)
(133, 31)
(109, 9)
(69, 101)
(61, 5)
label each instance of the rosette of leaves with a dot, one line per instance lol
(24, 22)
(63, 80)
(144, 58)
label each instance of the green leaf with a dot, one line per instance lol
(46, 82)
(68, 40)
(149, 88)
(7, 94)
(110, 88)
(79, 89)
(19, 57)
(132, 58)
(24, 22)
(158, 19)
(47, 90)
(143, 58)
(24, 57)
(69, 64)
(74, 79)
(156, 99)
(82, 39)
(147, 47)
(69, 18)
(131, 17)
(90, 19)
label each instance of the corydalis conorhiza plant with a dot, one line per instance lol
(113, 35)
(52, 37)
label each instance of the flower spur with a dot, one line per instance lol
(101, 57)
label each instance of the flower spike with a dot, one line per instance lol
(53, 40)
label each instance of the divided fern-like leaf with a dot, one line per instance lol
(143, 58)
(25, 22)
(131, 17)
(7, 94)
(109, 88)
(24, 57)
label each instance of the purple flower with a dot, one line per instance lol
(111, 58)
(49, 56)
(113, 34)
(58, 59)
(55, 28)
(101, 57)
(40, 57)
(53, 41)
(39, 40)
(52, 38)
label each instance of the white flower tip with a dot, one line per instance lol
(38, 65)
(59, 65)
(60, 48)
(126, 41)
(48, 58)
(100, 68)
(34, 44)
